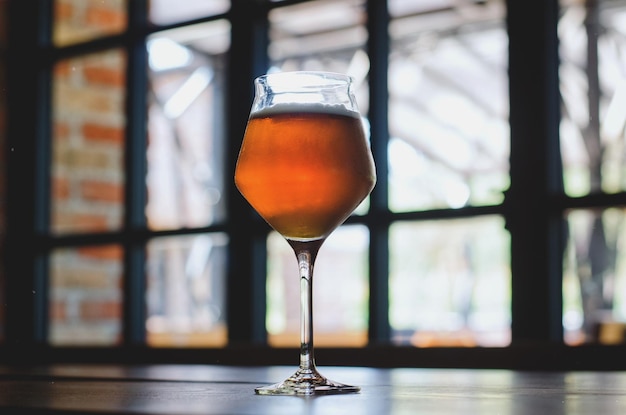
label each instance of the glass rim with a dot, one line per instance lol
(324, 78)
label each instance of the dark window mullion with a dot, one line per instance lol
(378, 50)
(135, 172)
(246, 274)
(28, 162)
(536, 174)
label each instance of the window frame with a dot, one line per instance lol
(536, 191)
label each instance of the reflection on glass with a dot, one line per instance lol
(162, 12)
(186, 126)
(450, 282)
(186, 291)
(594, 277)
(86, 296)
(79, 20)
(341, 291)
(592, 39)
(448, 105)
(87, 180)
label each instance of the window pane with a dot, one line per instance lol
(186, 291)
(186, 126)
(594, 277)
(593, 90)
(333, 41)
(340, 290)
(88, 95)
(162, 12)
(79, 20)
(448, 105)
(449, 282)
(85, 296)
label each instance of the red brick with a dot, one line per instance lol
(73, 222)
(63, 11)
(107, 252)
(100, 310)
(112, 20)
(60, 188)
(104, 76)
(99, 132)
(62, 70)
(61, 130)
(102, 191)
(58, 311)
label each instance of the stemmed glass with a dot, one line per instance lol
(304, 166)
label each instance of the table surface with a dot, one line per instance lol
(210, 389)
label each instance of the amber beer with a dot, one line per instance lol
(304, 168)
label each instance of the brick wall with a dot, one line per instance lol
(80, 20)
(88, 142)
(87, 180)
(86, 296)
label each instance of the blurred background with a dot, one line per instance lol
(140, 230)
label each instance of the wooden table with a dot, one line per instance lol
(207, 390)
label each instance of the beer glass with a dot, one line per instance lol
(304, 166)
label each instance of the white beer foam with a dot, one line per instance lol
(305, 107)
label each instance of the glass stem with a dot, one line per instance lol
(306, 252)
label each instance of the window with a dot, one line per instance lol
(185, 274)
(497, 219)
(448, 150)
(593, 88)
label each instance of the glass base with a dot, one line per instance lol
(306, 382)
